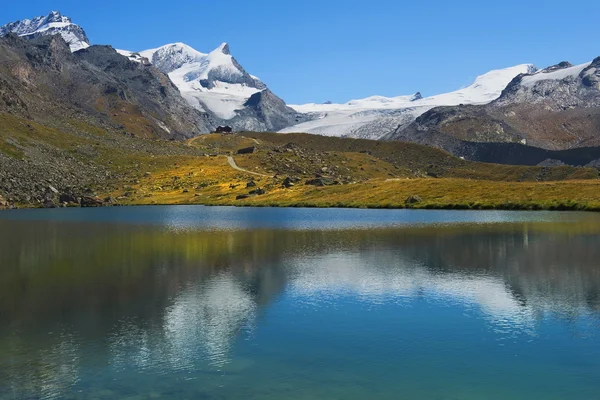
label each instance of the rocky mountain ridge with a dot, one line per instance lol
(557, 108)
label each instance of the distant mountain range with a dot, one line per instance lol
(376, 116)
(556, 108)
(51, 24)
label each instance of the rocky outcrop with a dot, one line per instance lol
(264, 111)
(155, 96)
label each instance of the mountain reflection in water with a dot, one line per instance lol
(79, 297)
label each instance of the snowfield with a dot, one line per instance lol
(375, 116)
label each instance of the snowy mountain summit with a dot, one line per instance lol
(209, 82)
(217, 84)
(51, 24)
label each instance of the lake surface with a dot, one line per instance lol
(242, 303)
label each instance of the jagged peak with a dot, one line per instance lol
(223, 48)
(56, 16)
(416, 96)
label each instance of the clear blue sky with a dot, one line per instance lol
(318, 50)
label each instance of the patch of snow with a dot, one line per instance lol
(125, 53)
(132, 56)
(571, 72)
(164, 127)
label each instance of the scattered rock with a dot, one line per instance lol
(91, 201)
(290, 181)
(49, 203)
(251, 184)
(413, 200)
(68, 198)
(247, 150)
(322, 182)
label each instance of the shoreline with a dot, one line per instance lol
(560, 206)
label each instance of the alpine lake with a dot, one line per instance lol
(193, 302)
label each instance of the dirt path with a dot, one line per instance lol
(192, 140)
(233, 165)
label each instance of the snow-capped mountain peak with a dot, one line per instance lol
(52, 24)
(213, 81)
(224, 48)
(171, 57)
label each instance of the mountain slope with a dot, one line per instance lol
(217, 84)
(556, 108)
(376, 116)
(51, 24)
(96, 84)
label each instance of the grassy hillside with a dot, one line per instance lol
(77, 159)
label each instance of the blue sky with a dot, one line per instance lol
(319, 50)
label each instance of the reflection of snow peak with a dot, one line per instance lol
(214, 311)
(336, 274)
(199, 327)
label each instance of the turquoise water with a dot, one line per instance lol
(241, 303)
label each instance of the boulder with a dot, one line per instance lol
(68, 198)
(49, 203)
(411, 200)
(290, 181)
(247, 150)
(3, 202)
(257, 191)
(91, 201)
(322, 182)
